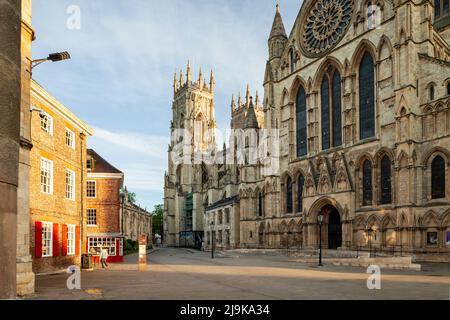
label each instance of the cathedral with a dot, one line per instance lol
(352, 132)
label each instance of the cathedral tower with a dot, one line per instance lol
(192, 141)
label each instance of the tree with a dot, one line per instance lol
(157, 220)
(132, 197)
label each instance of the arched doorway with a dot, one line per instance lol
(334, 229)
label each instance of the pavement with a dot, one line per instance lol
(181, 274)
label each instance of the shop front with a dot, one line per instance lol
(112, 242)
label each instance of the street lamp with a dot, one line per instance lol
(53, 57)
(320, 221)
(370, 232)
(212, 240)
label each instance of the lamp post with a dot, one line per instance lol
(320, 221)
(370, 232)
(53, 57)
(212, 240)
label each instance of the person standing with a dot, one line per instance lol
(104, 257)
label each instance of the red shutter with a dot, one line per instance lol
(55, 240)
(64, 240)
(38, 239)
(77, 240)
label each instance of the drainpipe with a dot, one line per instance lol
(82, 193)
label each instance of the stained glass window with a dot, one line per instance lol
(302, 148)
(366, 97)
(325, 110)
(367, 183)
(386, 186)
(300, 185)
(337, 110)
(289, 195)
(438, 178)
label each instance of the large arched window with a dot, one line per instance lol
(367, 183)
(260, 204)
(331, 109)
(438, 178)
(302, 148)
(300, 185)
(367, 97)
(289, 207)
(386, 185)
(441, 8)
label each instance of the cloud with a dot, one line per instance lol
(155, 147)
(119, 79)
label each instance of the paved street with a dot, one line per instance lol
(187, 274)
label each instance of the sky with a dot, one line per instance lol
(123, 57)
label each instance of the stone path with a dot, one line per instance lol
(186, 274)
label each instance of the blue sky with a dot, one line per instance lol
(120, 77)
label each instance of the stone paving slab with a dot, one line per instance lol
(179, 274)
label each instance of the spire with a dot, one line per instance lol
(239, 101)
(257, 99)
(233, 104)
(212, 80)
(181, 78)
(188, 72)
(278, 26)
(247, 96)
(175, 83)
(200, 75)
(250, 119)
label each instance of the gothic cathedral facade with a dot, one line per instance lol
(359, 95)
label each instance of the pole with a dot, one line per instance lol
(212, 244)
(320, 245)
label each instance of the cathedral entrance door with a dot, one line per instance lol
(334, 230)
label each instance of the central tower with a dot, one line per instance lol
(193, 140)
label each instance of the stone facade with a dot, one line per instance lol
(136, 221)
(10, 97)
(359, 99)
(25, 275)
(52, 202)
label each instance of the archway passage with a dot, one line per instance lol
(334, 229)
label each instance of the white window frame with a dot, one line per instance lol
(71, 239)
(70, 193)
(70, 138)
(103, 242)
(95, 189)
(47, 124)
(87, 217)
(48, 170)
(49, 252)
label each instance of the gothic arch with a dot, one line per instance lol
(322, 69)
(285, 98)
(319, 204)
(430, 219)
(432, 152)
(296, 84)
(363, 157)
(363, 47)
(382, 152)
(373, 220)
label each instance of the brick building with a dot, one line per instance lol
(102, 215)
(57, 175)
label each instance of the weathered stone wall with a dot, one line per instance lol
(10, 96)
